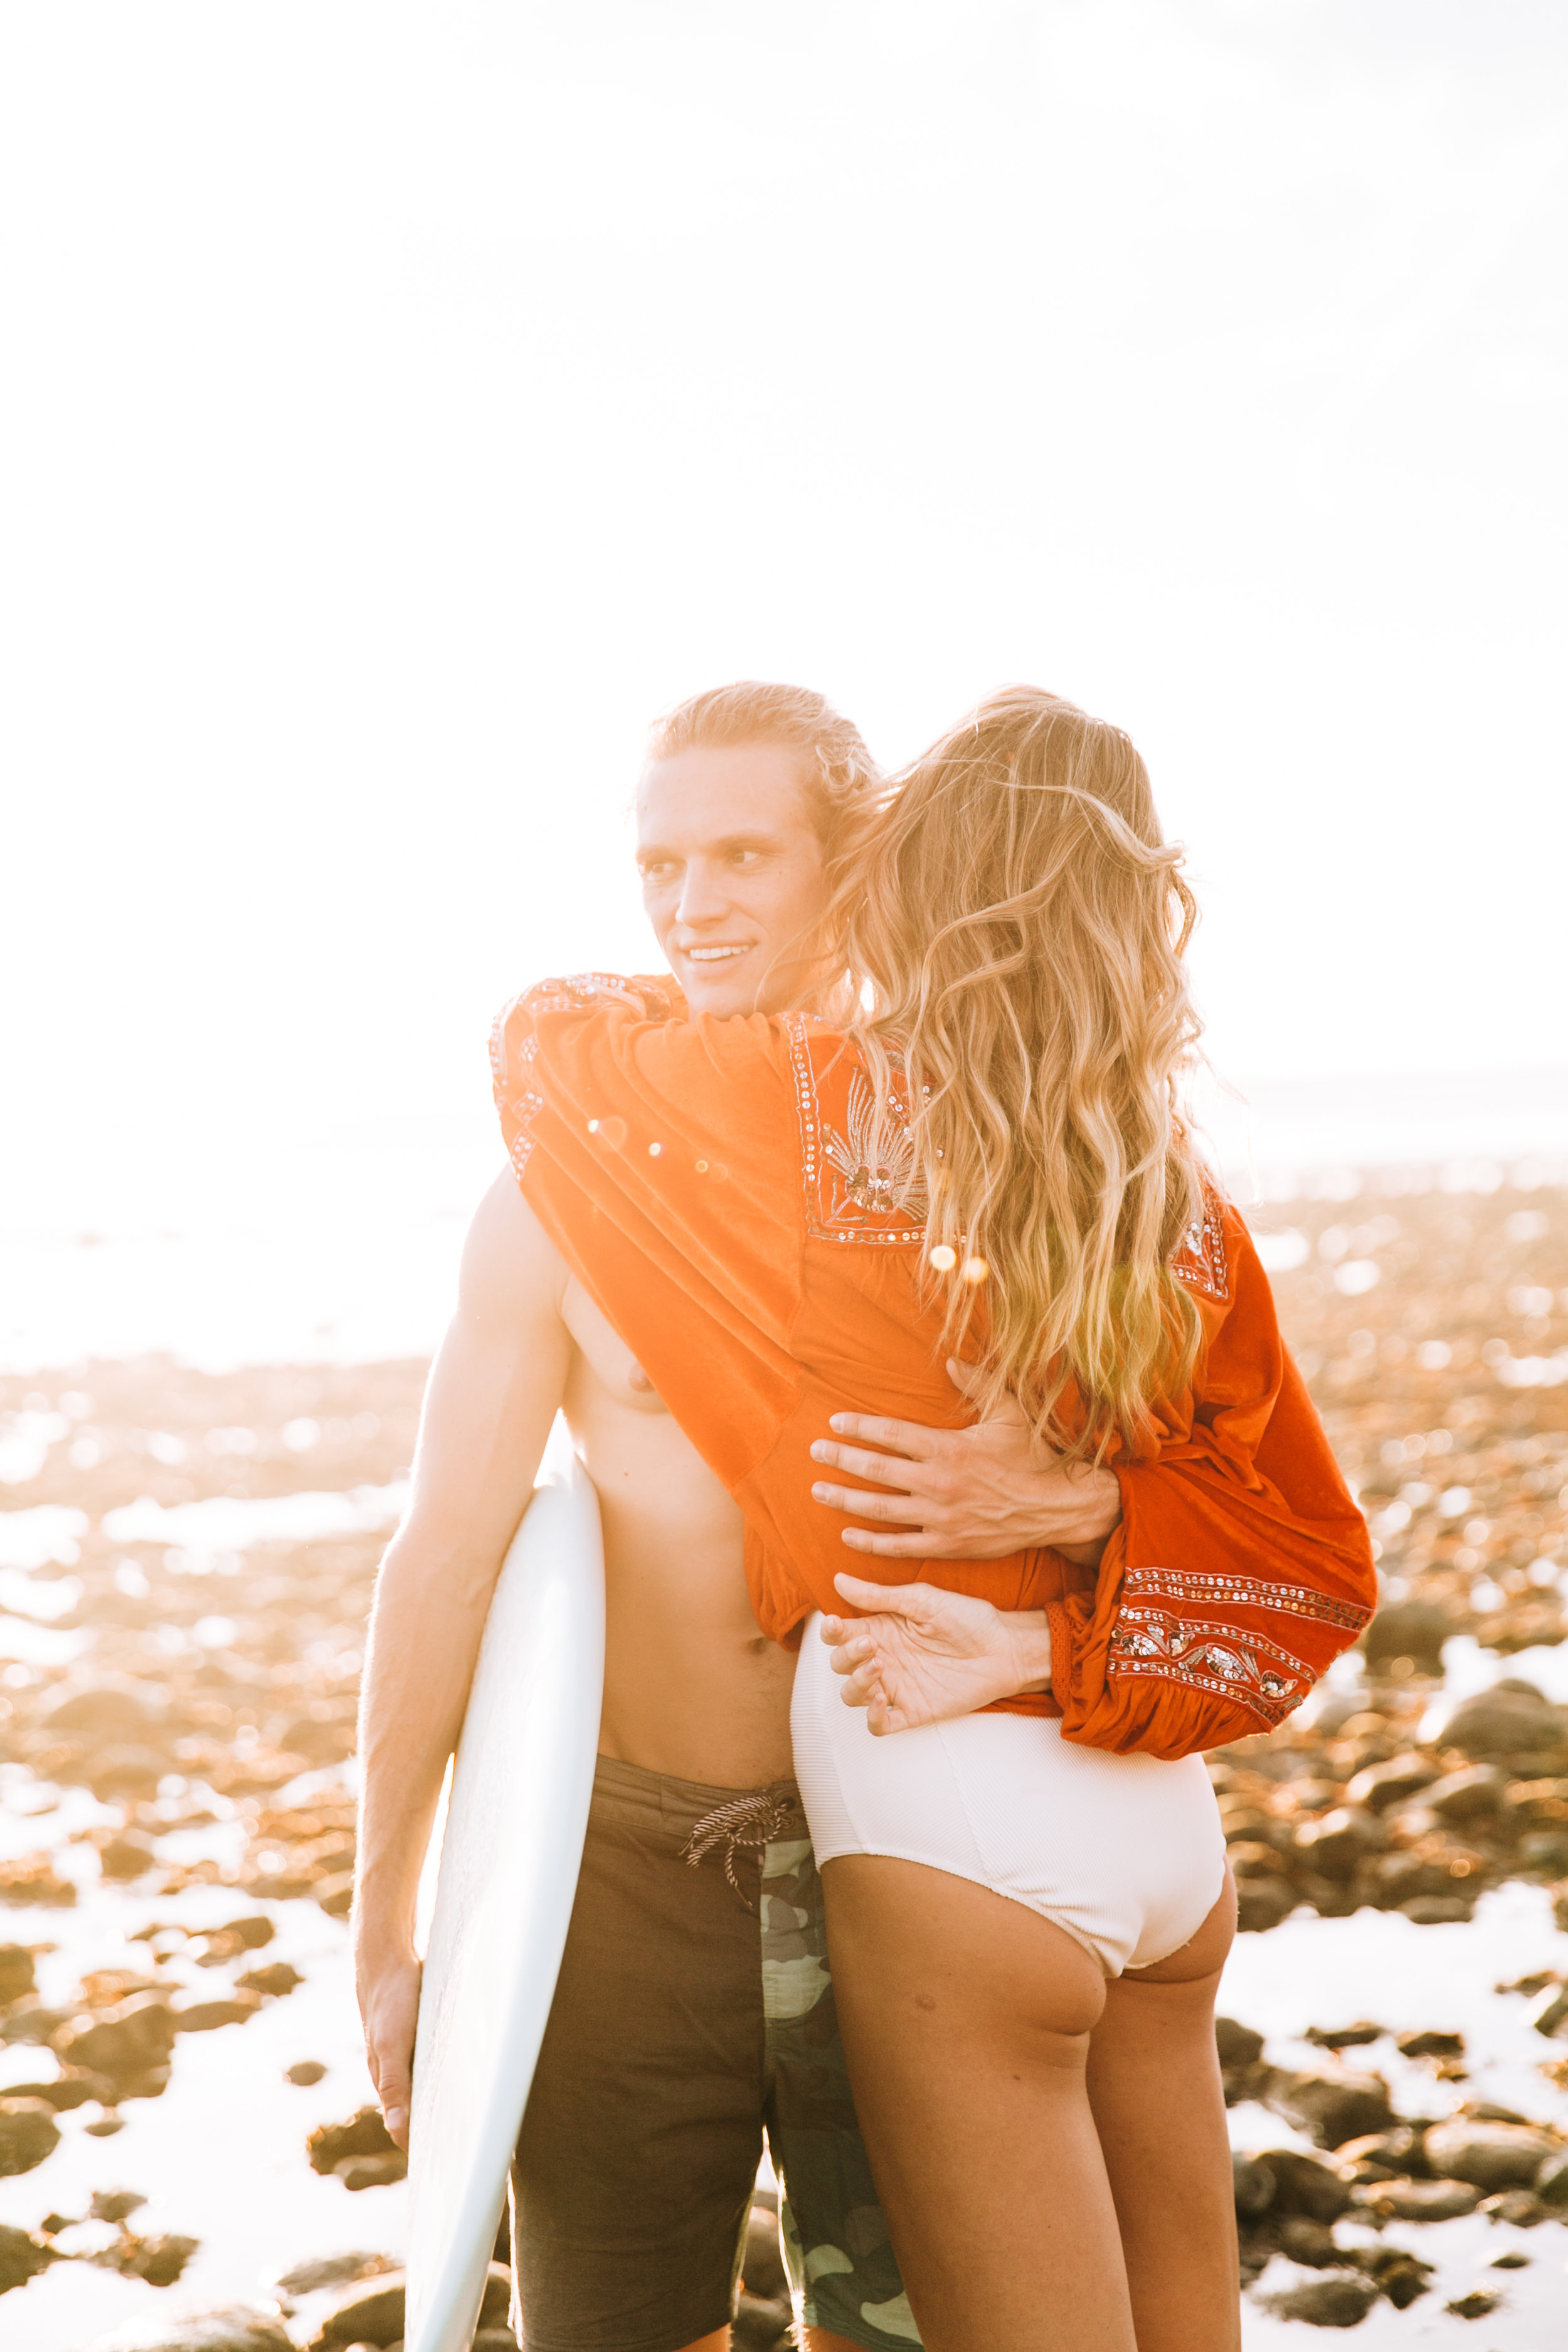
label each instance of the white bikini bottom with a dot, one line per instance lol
(1124, 1852)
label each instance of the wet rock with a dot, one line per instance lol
(1488, 2155)
(1421, 2200)
(1385, 2155)
(1342, 2300)
(31, 1878)
(114, 2204)
(333, 2270)
(1431, 2044)
(225, 1943)
(129, 2042)
(105, 2127)
(36, 2023)
(1474, 1795)
(1399, 2275)
(304, 2072)
(233, 2328)
(1344, 2037)
(324, 1740)
(1439, 1910)
(371, 2311)
(205, 2016)
(1333, 1845)
(125, 1771)
(1262, 1904)
(362, 2134)
(1549, 2013)
(22, 2257)
(1551, 2179)
(1515, 2205)
(1336, 2107)
(16, 1972)
(1413, 1629)
(1312, 2243)
(105, 1710)
(272, 1981)
(762, 2263)
(129, 1855)
(1237, 2045)
(1478, 2305)
(760, 2326)
(1254, 2186)
(1382, 1786)
(28, 2133)
(1304, 2185)
(336, 1894)
(1510, 1720)
(67, 2093)
(358, 2172)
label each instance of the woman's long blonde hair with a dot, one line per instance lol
(1016, 926)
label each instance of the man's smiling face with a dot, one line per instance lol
(732, 875)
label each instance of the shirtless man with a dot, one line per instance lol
(694, 2007)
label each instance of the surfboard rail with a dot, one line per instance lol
(522, 1783)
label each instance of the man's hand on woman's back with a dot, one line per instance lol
(965, 1493)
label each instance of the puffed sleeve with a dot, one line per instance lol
(1242, 1566)
(658, 1153)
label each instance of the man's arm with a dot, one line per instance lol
(494, 1390)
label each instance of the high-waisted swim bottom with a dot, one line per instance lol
(1125, 1852)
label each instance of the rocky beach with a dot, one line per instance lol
(185, 1563)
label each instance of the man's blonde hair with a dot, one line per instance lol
(1015, 926)
(837, 774)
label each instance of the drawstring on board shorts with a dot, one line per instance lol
(752, 1821)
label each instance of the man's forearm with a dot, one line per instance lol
(425, 1629)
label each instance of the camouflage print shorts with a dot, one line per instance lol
(843, 2275)
(693, 2013)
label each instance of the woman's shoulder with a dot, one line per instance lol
(644, 997)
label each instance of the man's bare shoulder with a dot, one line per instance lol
(511, 1268)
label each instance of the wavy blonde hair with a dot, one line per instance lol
(1018, 927)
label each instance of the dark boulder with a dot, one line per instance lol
(16, 1972)
(1238, 2045)
(22, 2257)
(1304, 2185)
(1416, 1629)
(1489, 2156)
(362, 2134)
(1336, 2107)
(28, 2133)
(1341, 2299)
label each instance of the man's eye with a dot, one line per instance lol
(656, 869)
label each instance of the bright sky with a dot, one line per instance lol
(404, 403)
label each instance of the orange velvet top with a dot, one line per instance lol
(726, 1192)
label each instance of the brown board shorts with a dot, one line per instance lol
(693, 2012)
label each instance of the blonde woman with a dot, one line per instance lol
(1026, 1898)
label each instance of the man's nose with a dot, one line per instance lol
(703, 897)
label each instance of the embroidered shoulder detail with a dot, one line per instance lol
(514, 1046)
(1210, 1654)
(1200, 1259)
(858, 1156)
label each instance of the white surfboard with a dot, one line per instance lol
(520, 1788)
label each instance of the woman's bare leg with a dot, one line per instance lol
(966, 2023)
(1154, 2087)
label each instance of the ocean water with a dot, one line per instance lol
(342, 1246)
